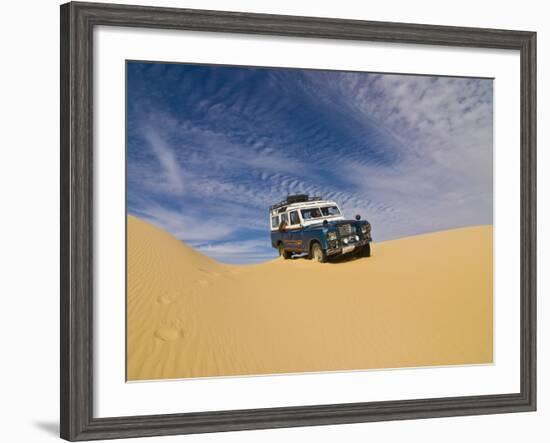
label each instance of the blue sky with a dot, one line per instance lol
(211, 147)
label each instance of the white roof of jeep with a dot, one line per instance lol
(303, 205)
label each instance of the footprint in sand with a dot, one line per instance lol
(165, 300)
(210, 273)
(168, 334)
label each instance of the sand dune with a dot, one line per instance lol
(418, 301)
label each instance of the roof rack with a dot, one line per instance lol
(298, 198)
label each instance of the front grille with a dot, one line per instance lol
(344, 230)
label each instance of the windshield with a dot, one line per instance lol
(330, 211)
(308, 214)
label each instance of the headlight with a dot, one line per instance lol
(332, 235)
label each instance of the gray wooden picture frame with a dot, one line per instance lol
(77, 23)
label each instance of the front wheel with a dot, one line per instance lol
(365, 251)
(317, 253)
(282, 252)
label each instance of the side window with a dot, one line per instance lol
(294, 218)
(275, 222)
(284, 218)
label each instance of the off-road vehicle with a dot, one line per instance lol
(310, 225)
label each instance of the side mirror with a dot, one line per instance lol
(357, 217)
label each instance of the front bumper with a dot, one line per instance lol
(351, 247)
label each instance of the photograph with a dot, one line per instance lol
(290, 221)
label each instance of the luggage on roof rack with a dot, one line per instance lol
(298, 198)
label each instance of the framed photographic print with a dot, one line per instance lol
(273, 221)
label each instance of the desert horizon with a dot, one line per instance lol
(409, 305)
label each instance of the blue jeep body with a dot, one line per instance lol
(298, 233)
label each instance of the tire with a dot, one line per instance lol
(317, 253)
(282, 252)
(365, 251)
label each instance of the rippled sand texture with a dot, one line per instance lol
(418, 301)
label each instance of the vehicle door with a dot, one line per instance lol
(295, 232)
(275, 233)
(284, 234)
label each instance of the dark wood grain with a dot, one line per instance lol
(76, 307)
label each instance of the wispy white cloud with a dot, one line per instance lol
(186, 227)
(441, 129)
(170, 176)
